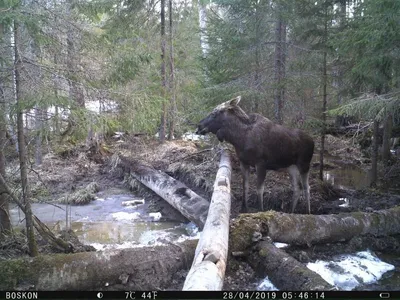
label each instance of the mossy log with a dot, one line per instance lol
(187, 202)
(311, 229)
(268, 260)
(209, 265)
(144, 268)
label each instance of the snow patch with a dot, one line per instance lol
(349, 271)
(266, 285)
(156, 216)
(280, 245)
(123, 216)
(191, 136)
(346, 202)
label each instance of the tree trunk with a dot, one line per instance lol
(39, 135)
(280, 58)
(75, 92)
(339, 70)
(187, 202)
(374, 156)
(23, 156)
(145, 268)
(56, 113)
(387, 134)
(324, 102)
(203, 27)
(311, 229)
(39, 109)
(257, 71)
(163, 125)
(5, 223)
(172, 106)
(73, 58)
(208, 269)
(268, 260)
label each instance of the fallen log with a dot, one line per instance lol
(187, 202)
(312, 229)
(268, 260)
(208, 268)
(143, 268)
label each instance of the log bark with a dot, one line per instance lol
(147, 268)
(268, 260)
(311, 229)
(209, 265)
(187, 202)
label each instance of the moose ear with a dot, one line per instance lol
(235, 101)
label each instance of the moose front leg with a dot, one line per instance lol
(261, 172)
(245, 174)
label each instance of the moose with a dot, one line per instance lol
(262, 144)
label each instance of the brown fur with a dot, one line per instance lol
(261, 143)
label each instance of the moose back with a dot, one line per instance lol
(264, 145)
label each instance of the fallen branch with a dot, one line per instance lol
(209, 264)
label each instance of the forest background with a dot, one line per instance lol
(77, 70)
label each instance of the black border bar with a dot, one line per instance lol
(224, 295)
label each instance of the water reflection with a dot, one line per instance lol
(347, 177)
(118, 233)
(107, 222)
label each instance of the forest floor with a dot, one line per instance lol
(195, 163)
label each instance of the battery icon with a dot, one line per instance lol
(384, 295)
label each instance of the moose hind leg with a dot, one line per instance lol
(294, 174)
(306, 187)
(245, 174)
(261, 172)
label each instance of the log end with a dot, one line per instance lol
(242, 232)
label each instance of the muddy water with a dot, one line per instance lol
(350, 177)
(390, 282)
(106, 223)
(344, 175)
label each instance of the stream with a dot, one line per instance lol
(362, 270)
(106, 223)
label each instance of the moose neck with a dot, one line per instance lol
(235, 128)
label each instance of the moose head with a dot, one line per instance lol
(218, 117)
